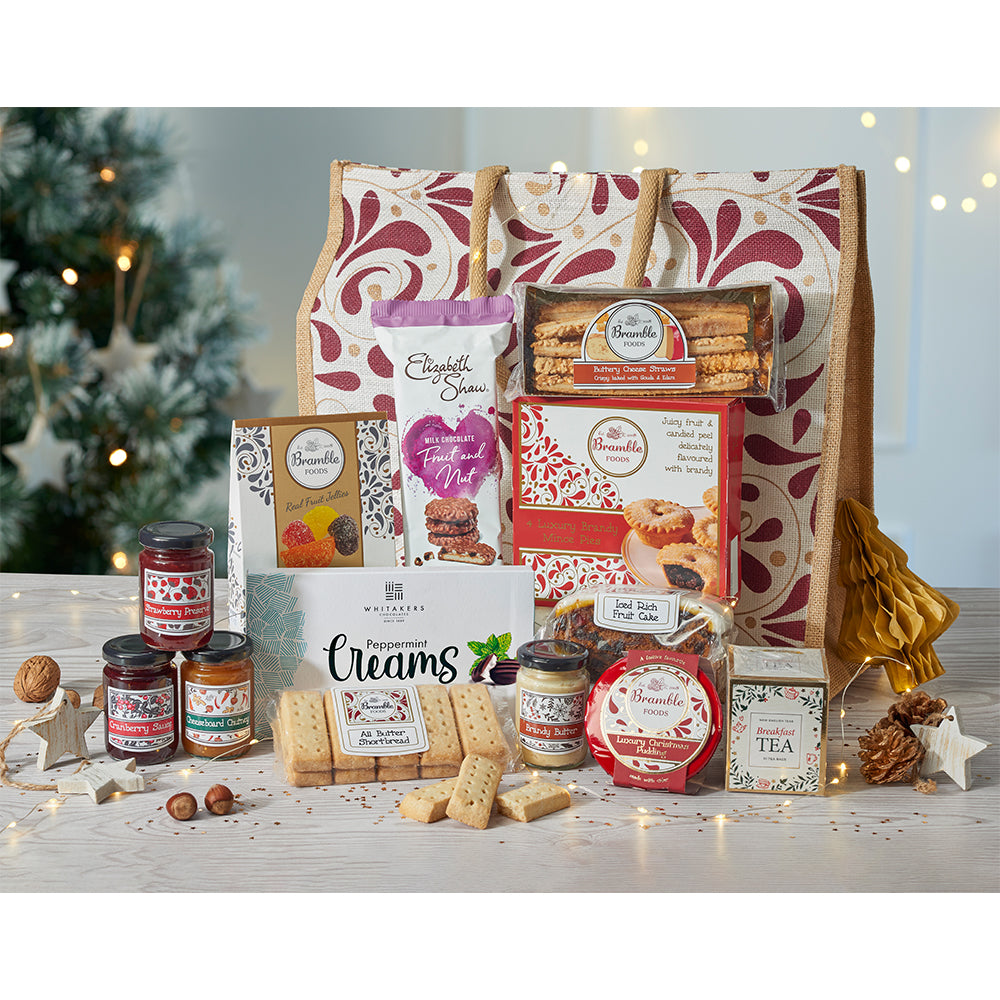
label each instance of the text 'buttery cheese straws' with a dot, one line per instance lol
(444, 376)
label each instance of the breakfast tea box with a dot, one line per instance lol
(628, 492)
(777, 719)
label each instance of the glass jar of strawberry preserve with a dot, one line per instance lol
(140, 701)
(217, 696)
(177, 581)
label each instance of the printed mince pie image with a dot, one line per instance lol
(671, 542)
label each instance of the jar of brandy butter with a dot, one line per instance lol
(217, 696)
(552, 684)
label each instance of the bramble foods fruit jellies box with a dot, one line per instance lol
(777, 707)
(628, 491)
(308, 492)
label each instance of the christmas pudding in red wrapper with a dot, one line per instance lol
(654, 720)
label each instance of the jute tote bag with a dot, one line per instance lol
(424, 234)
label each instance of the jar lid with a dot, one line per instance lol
(176, 535)
(223, 646)
(132, 651)
(553, 654)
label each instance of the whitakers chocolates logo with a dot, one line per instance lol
(314, 458)
(617, 446)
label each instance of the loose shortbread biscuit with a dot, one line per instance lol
(475, 790)
(305, 743)
(444, 748)
(536, 798)
(478, 727)
(428, 804)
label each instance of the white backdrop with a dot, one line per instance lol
(262, 174)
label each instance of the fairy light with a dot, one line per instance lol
(124, 262)
(107, 175)
(118, 457)
(640, 147)
(6, 339)
(938, 202)
(868, 119)
(989, 179)
(70, 276)
(558, 167)
(903, 164)
(968, 204)
(637, 170)
(119, 560)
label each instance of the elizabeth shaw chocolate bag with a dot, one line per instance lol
(417, 233)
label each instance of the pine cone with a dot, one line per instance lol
(890, 754)
(913, 709)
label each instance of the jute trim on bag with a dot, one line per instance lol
(303, 331)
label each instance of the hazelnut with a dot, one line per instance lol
(219, 800)
(182, 806)
(37, 679)
(72, 697)
(98, 700)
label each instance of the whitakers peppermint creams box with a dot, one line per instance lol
(369, 627)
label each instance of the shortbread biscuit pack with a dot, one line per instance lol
(397, 733)
(585, 341)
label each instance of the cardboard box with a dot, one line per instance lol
(579, 463)
(777, 713)
(290, 477)
(314, 629)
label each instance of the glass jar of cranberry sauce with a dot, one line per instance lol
(177, 581)
(140, 701)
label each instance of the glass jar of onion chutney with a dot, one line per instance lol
(176, 581)
(551, 695)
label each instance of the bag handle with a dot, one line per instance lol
(651, 183)
(482, 201)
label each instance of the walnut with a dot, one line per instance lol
(37, 679)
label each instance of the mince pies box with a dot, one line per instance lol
(777, 706)
(308, 492)
(314, 629)
(628, 492)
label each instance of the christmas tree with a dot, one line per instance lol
(120, 345)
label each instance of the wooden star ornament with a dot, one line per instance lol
(62, 730)
(948, 749)
(102, 779)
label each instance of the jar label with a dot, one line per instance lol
(551, 723)
(141, 720)
(177, 604)
(217, 715)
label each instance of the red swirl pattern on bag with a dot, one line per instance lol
(401, 238)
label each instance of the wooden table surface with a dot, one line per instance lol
(858, 837)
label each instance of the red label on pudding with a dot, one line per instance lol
(653, 720)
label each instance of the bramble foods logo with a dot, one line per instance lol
(617, 446)
(314, 458)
